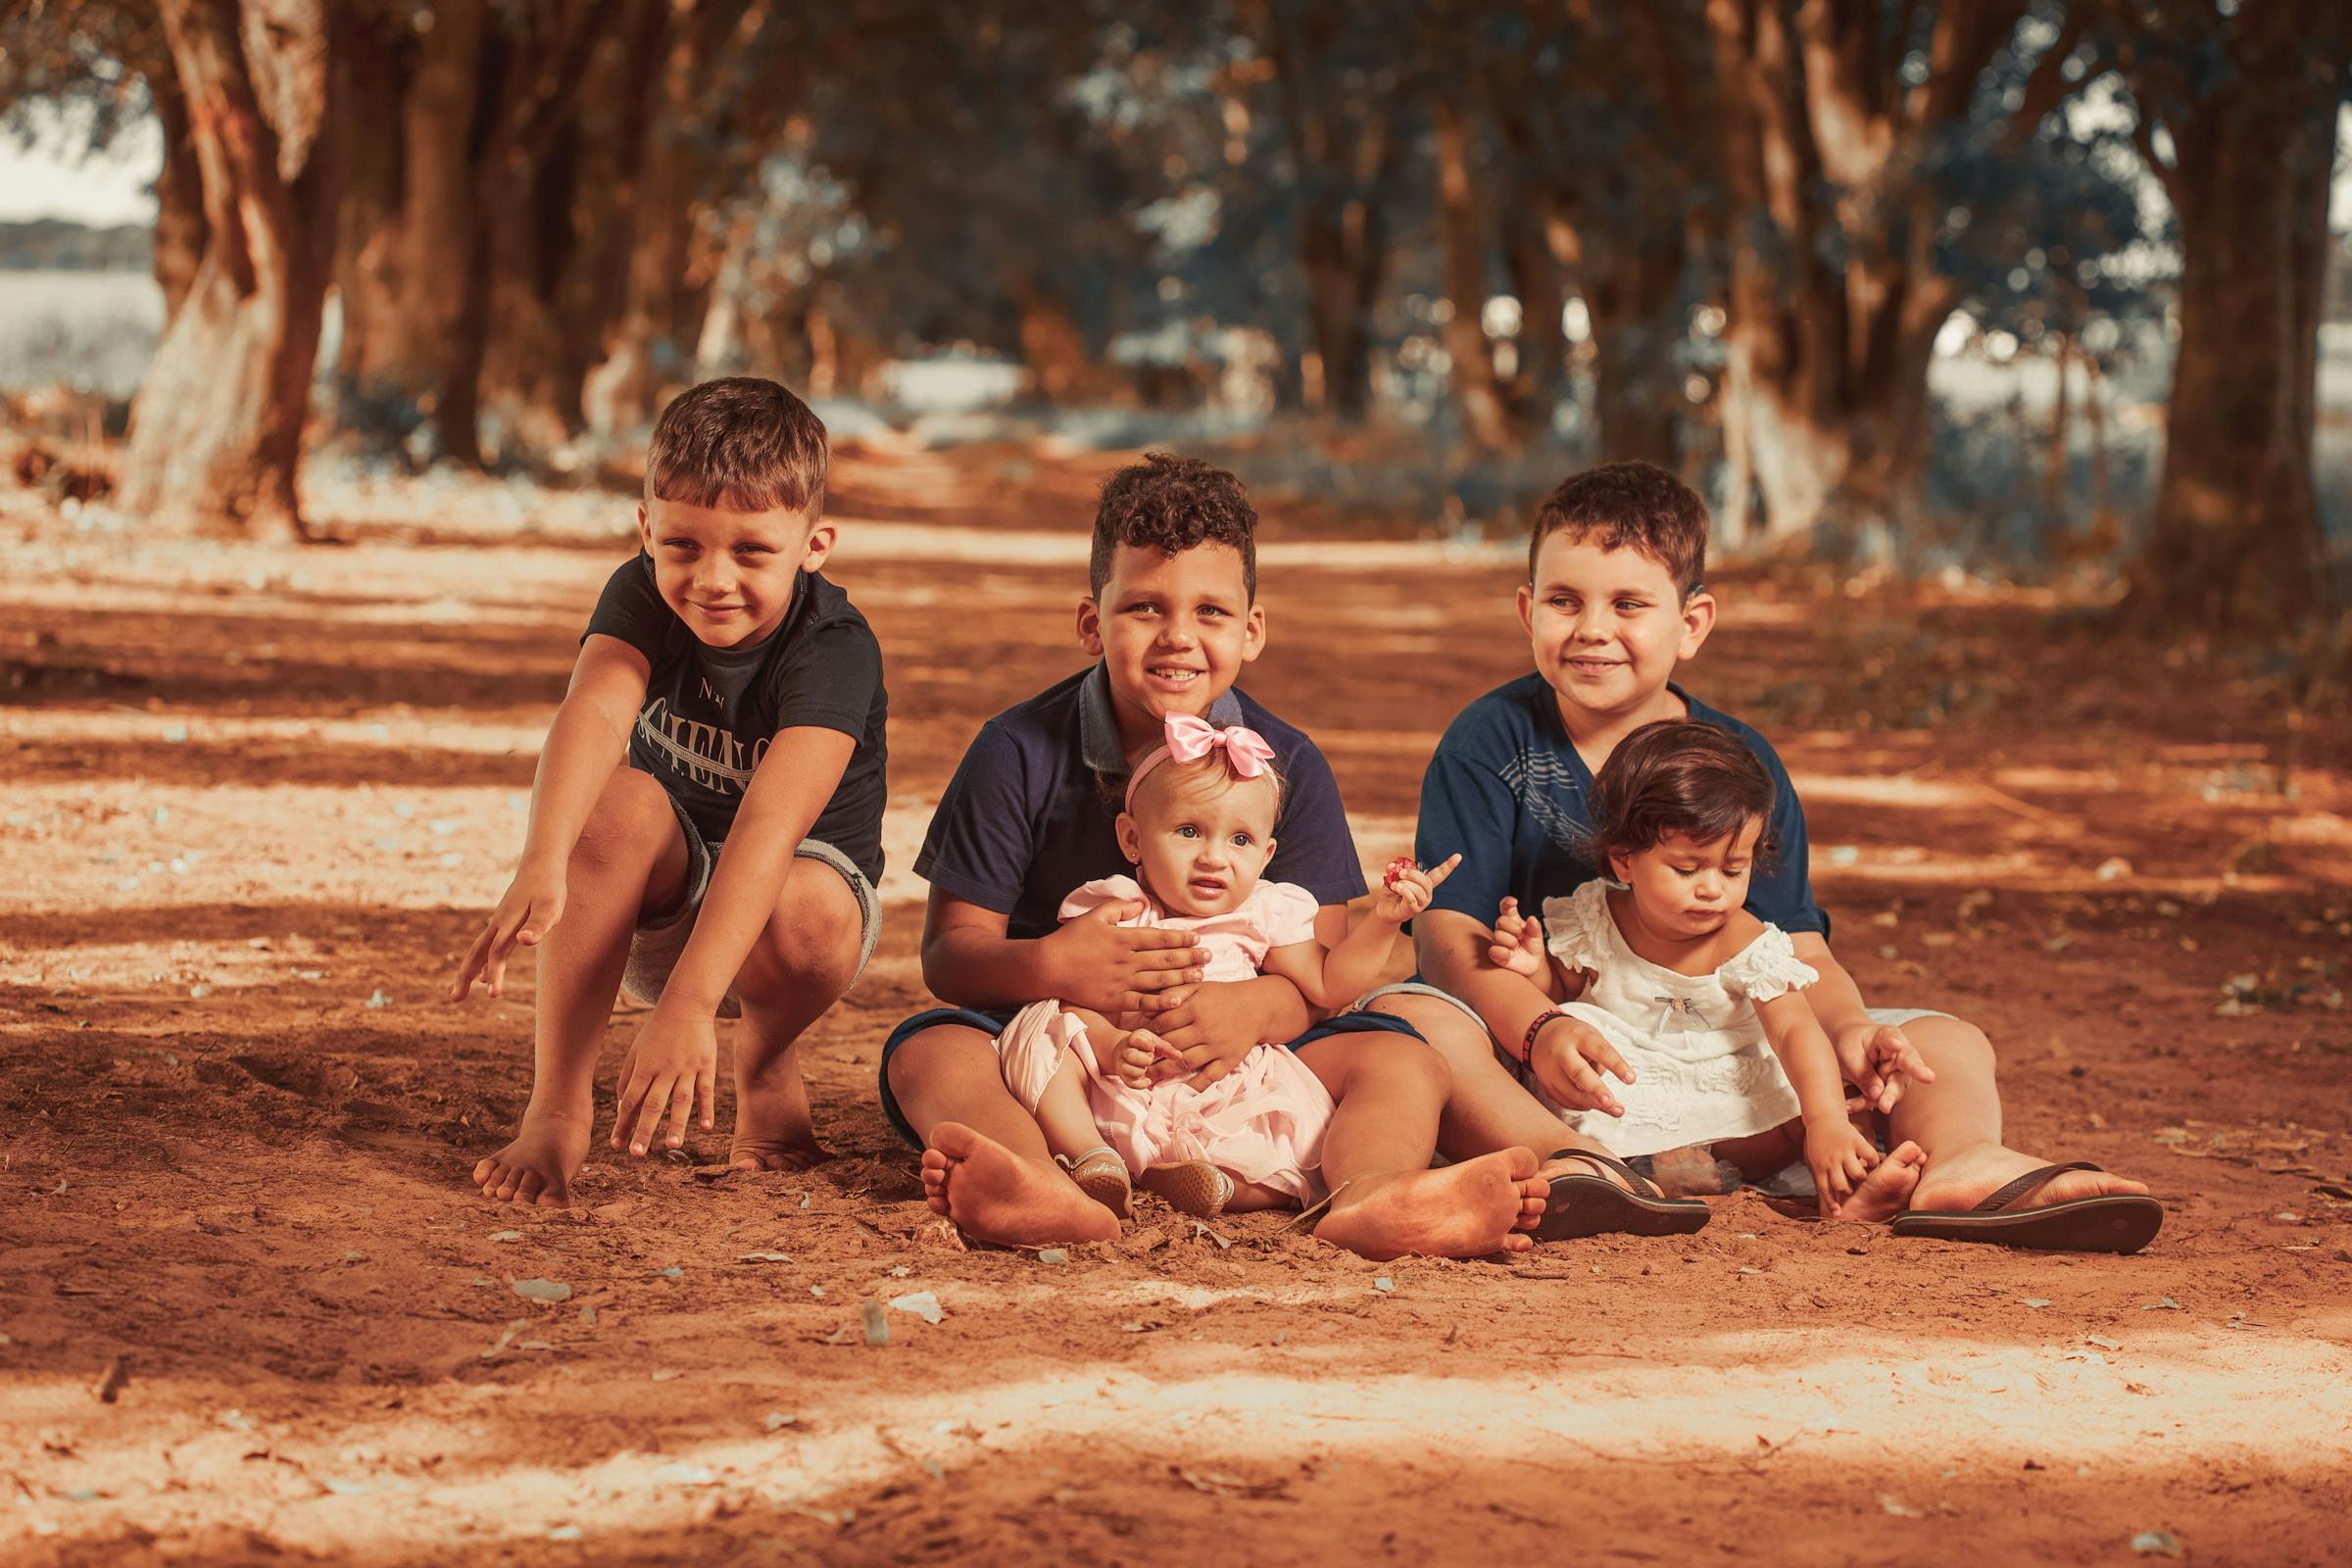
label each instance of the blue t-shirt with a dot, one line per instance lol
(1507, 791)
(1030, 813)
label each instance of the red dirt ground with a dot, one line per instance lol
(252, 802)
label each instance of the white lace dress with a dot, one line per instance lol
(1702, 1070)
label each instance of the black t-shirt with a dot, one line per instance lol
(709, 712)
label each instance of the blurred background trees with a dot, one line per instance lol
(1735, 236)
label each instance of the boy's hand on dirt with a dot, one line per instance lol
(1112, 968)
(1204, 1031)
(1838, 1158)
(1569, 1058)
(672, 1070)
(1518, 944)
(1406, 889)
(533, 903)
(1875, 1059)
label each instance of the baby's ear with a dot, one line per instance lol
(1131, 838)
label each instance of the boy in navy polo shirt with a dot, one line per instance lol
(1171, 617)
(1613, 603)
(727, 698)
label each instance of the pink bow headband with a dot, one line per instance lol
(1190, 739)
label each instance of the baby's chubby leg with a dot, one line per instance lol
(630, 859)
(804, 958)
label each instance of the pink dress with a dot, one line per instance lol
(1264, 1122)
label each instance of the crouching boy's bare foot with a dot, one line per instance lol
(1483, 1205)
(538, 1168)
(773, 1126)
(994, 1195)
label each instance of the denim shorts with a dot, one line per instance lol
(657, 943)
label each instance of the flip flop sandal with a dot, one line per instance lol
(2114, 1223)
(1101, 1175)
(1595, 1205)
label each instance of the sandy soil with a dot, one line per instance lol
(252, 800)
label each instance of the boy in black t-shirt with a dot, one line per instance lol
(726, 696)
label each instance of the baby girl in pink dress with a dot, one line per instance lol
(1198, 828)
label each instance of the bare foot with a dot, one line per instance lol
(1483, 1205)
(538, 1168)
(1961, 1178)
(1885, 1190)
(994, 1195)
(772, 1127)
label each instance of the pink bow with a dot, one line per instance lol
(1190, 739)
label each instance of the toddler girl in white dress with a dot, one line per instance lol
(1704, 1002)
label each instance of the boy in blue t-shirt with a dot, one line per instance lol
(1170, 617)
(727, 698)
(1612, 605)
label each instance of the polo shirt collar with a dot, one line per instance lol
(1099, 724)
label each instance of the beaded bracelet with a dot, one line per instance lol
(1527, 1044)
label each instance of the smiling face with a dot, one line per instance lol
(730, 575)
(1607, 627)
(1684, 889)
(1198, 838)
(1173, 633)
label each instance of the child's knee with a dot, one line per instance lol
(1399, 1062)
(811, 941)
(632, 820)
(1952, 1041)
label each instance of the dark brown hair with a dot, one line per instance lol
(1678, 776)
(1630, 505)
(1171, 505)
(739, 443)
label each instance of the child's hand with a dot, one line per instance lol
(1569, 1057)
(1518, 944)
(1203, 1032)
(1875, 1059)
(1405, 889)
(533, 903)
(1108, 968)
(1130, 1057)
(672, 1070)
(1838, 1158)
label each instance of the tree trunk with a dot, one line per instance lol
(368, 234)
(1536, 281)
(1464, 243)
(1344, 249)
(179, 229)
(217, 429)
(2235, 541)
(2054, 508)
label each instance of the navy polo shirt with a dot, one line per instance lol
(1029, 814)
(1507, 791)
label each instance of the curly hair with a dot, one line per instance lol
(1171, 505)
(1630, 505)
(1678, 776)
(739, 443)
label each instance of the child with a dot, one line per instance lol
(1199, 829)
(727, 697)
(1170, 617)
(1689, 988)
(1613, 601)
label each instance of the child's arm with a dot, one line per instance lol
(588, 740)
(672, 1067)
(1334, 976)
(1876, 1057)
(1568, 1056)
(1838, 1155)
